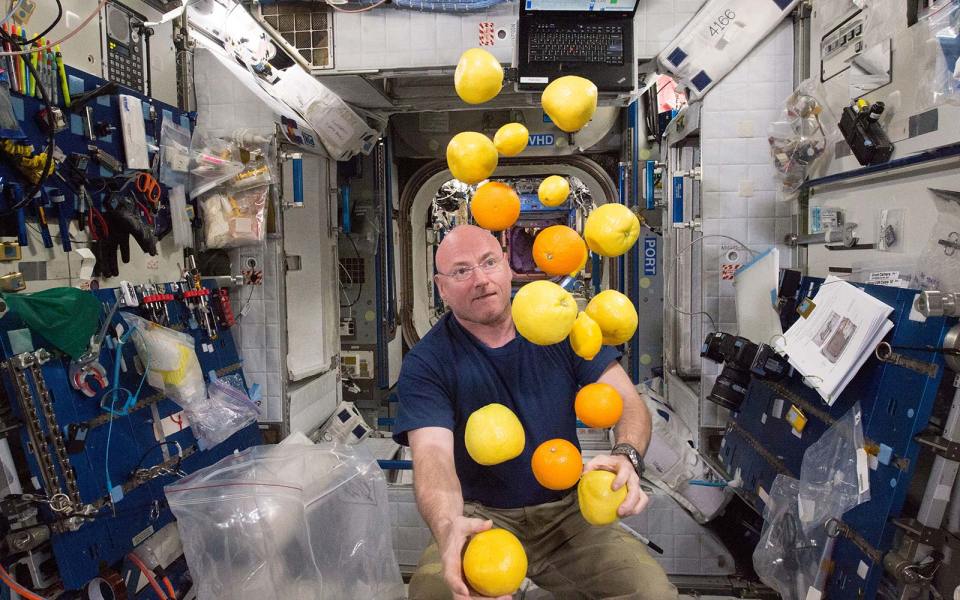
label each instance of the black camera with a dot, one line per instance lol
(741, 359)
(860, 125)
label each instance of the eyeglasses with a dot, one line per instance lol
(488, 265)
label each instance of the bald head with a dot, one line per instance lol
(462, 244)
(483, 297)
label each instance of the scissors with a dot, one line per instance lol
(98, 225)
(149, 187)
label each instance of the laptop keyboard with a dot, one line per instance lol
(550, 42)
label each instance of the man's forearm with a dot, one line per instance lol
(634, 427)
(439, 497)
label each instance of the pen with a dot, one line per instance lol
(63, 77)
(35, 72)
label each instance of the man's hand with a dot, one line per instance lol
(452, 540)
(636, 499)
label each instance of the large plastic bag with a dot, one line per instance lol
(938, 57)
(213, 162)
(293, 522)
(226, 411)
(834, 475)
(232, 219)
(801, 142)
(788, 558)
(170, 358)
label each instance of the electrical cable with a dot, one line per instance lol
(66, 37)
(49, 27)
(666, 296)
(152, 448)
(16, 587)
(359, 10)
(51, 141)
(169, 586)
(148, 574)
(245, 304)
(356, 251)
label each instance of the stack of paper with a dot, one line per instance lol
(841, 328)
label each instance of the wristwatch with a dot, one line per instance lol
(632, 455)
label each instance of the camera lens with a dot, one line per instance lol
(730, 390)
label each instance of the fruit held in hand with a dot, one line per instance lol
(598, 502)
(495, 563)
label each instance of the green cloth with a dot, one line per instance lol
(66, 317)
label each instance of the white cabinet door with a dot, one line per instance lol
(313, 312)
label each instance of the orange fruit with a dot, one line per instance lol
(495, 206)
(557, 464)
(598, 405)
(559, 250)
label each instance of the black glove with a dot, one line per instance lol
(122, 223)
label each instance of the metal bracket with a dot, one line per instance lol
(941, 446)
(928, 536)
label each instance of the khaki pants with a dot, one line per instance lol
(567, 556)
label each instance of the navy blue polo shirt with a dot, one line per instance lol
(449, 374)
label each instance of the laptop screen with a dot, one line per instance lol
(580, 5)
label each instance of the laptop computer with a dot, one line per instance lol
(590, 38)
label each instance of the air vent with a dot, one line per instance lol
(306, 26)
(351, 271)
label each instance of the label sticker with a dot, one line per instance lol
(777, 410)
(763, 495)
(814, 594)
(862, 570)
(863, 473)
(942, 492)
(143, 535)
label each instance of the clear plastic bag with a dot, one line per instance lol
(259, 167)
(801, 142)
(883, 19)
(938, 57)
(213, 162)
(787, 558)
(226, 411)
(834, 475)
(174, 154)
(232, 219)
(890, 230)
(170, 359)
(295, 522)
(939, 265)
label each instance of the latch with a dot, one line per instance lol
(941, 446)
(292, 262)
